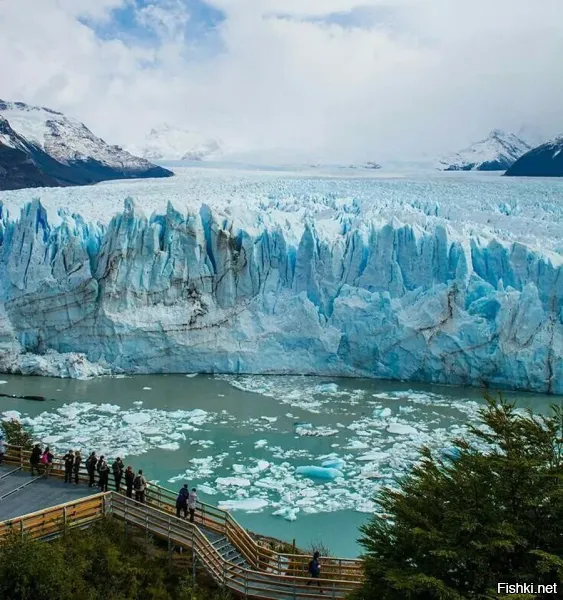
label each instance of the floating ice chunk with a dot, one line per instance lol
(108, 408)
(233, 481)
(334, 463)
(192, 374)
(239, 469)
(169, 446)
(313, 472)
(138, 403)
(51, 439)
(206, 489)
(452, 453)
(147, 388)
(382, 413)
(356, 445)
(2, 382)
(249, 504)
(261, 444)
(401, 429)
(307, 430)
(270, 419)
(137, 418)
(326, 388)
(11, 415)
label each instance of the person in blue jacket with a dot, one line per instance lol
(315, 569)
(182, 501)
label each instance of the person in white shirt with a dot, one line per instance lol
(192, 503)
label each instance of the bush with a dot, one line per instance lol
(100, 563)
(15, 434)
(457, 527)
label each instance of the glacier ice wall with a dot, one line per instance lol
(192, 291)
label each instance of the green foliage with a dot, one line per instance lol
(458, 527)
(100, 563)
(15, 434)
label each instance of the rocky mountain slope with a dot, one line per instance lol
(544, 161)
(41, 147)
(497, 152)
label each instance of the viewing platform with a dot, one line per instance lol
(43, 508)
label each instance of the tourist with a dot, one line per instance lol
(69, 464)
(315, 569)
(2, 449)
(76, 467)
(117, 468)
(91, 462)
(35, 459)
(47, 461)
(192, 503)
(103, 471)
(182, 501)
(140, 486)
(129, 479)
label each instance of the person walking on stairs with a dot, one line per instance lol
(117, 468)
(35, 459)
(315, 570)
(129, 479)
(103, 471)
(182, 501)
(140, 486)
(69, 464)
(91, 463)
(76, 467)
(192, 504)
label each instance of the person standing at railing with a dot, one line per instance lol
(91, 463)
(192, 503)
(35, 459)
(103, 471)
(68, 459)
(140, 485)
(117, 468)
(47, 461)
(129, 479)
(182, 501)
(2, 449)
(76, 467)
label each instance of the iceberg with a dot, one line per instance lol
(289, 283)
(319, 472)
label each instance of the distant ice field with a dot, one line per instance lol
(469, 204)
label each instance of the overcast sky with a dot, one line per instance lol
(334, 78)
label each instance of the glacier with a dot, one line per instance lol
(287, 274)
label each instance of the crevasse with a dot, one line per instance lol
(187, 292)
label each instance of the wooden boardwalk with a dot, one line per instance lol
(215, 541)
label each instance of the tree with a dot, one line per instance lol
(492, 513)
(15, 434)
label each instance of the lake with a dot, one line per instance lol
(243, 439)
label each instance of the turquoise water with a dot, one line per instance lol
(240, 439)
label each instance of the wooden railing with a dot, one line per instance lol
(261, 560)
(51, 521)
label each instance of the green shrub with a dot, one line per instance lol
(458, 527)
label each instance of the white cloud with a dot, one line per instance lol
(423, 76)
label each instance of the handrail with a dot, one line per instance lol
(258, 557)
(248, 582)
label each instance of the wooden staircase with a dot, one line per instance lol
(217, 542)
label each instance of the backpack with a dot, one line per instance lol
(116, 468)
(138, 483)
(91, 463)
(44, 459)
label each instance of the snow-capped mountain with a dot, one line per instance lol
(172, 143)
(497, 152)
(65, 150)
(544, 161)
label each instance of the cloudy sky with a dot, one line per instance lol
(333, 78)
